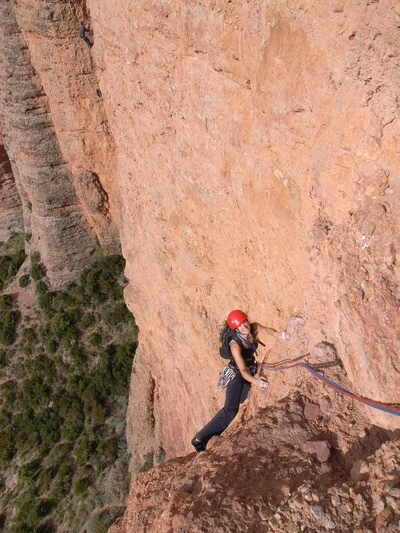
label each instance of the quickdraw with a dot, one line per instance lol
(226, 375)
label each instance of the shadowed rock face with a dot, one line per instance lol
(10, 202)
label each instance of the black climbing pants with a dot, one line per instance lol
(236, 394)
(84, 38)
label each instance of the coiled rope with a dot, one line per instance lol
(392, 410)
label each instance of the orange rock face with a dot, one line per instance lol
(247, 155)
(56, 138)
(258, 161)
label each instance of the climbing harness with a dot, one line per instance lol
(227, 374)
(392, 410)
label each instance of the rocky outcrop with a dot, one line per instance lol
(268, 474)
(65, 229)
(10, 203)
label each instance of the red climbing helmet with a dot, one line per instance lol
(235, 318)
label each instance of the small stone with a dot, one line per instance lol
(320, 449)
(358, 500)
(382, 517)
(311, 411)
(317, 511)
(349, 518)
(394, 504)
(369, 190)
(328, 523)
(323, 352)
(325, 406)
(335, 501)
(380, 505)
(359, 471)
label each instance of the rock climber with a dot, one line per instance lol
(243, 345)
(82, 35)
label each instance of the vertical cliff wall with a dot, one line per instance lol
(247, 152)
(10, 201)
(258, 164)
(56, 137)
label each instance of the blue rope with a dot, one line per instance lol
(392, 410)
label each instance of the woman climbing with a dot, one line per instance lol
(243, 342)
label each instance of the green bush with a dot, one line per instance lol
(29, 471)
(29, 335)
(44, 480)
(87, 321)
(35, 258)
(84, 450)
(8, 327)
(4, 360)
(51, 346)
(7, 443)
(98, 414)
(59, 491)
(41, 288)
(161, 455)
(95, 339)
(5, 302)
(41, 367)
(110, 450)
(148, 463)
(9, 392)
(35, 393)
(116, 315)
(15, 242)
(80, 486)
(78, 356)
(63, 323)
(64, 472)
(46, 303)
(15, 264)
(100, 524)
(73, 425)
(24, 280)
(36, 272)
(32, 512)
(5, 262)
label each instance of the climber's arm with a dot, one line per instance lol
(259, 328)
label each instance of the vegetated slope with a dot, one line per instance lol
(64, 381)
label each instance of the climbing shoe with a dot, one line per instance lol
(198, 445)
